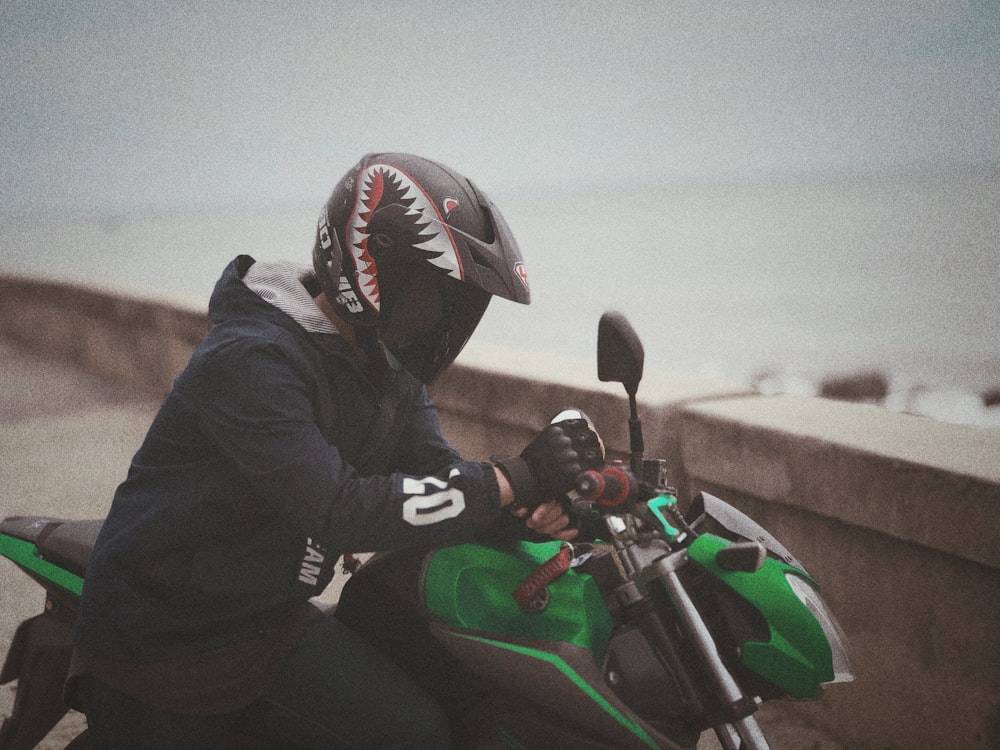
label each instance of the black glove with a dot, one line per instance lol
(548, 467)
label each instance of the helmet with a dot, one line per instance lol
(409, 253)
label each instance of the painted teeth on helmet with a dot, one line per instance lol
(439, 248)
(369, 195)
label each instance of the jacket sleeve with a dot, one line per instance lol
(423, 449)
(255, 402)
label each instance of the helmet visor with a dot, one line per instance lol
(428, 329)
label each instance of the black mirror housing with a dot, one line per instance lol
(620, 355)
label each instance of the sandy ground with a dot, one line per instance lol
(65, 443)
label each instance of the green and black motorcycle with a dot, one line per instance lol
(652, 627)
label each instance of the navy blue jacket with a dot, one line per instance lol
(270, 457)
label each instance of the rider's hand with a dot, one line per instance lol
(547, 468)
(549, 519)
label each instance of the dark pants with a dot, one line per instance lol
(335, 691)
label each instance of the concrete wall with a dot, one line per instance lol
(134, 343)
(897, 516)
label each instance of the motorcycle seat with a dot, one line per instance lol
(64, 543)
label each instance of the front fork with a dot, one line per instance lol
(729, 733)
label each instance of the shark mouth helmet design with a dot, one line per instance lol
(385, 187)
(409, 253)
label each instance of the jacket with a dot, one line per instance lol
(270, 457)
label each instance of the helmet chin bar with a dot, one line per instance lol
(413, 355)
(415, 358)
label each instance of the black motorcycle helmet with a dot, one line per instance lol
(409, 253)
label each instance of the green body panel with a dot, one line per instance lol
(569, 673)
(798, 656)
(471, 586)
(26, 555)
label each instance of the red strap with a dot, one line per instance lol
(545, 574)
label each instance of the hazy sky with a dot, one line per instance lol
(119, 107)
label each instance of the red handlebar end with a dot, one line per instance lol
(617, 487)
(590, 484)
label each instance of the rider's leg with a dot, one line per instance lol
(337, 691)
(116, 721)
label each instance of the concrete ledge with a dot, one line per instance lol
(140, 345)
(908, 477)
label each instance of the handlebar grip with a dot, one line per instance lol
(610, 487)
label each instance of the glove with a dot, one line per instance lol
(549, 465)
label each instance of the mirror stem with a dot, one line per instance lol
(635, 435)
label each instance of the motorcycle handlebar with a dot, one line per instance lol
(610, 487)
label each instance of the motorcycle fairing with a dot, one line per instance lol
(737, 524)
(26, 555)
(553, 655)
(798, 657)
(559, 677)
(53, 551)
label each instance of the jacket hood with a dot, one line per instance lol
(232, 299)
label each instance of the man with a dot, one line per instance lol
(299, 431)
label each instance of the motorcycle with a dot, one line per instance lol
(650, 628)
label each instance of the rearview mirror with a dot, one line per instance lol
(620, 354)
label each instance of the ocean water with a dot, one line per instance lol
(779, 285)
(783, 285)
